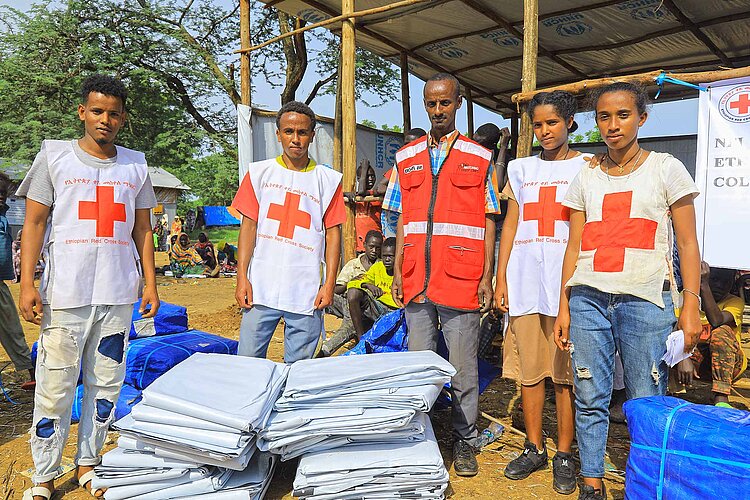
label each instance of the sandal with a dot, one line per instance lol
(86, 479)
(37, 491)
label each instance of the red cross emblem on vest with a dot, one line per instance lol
(289, 215)
(104, 211)
(615, 232)
(742, 104)
(546, 211)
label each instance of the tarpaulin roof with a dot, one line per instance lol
(479, 41)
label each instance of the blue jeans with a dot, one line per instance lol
(301, 332)
(600, 324)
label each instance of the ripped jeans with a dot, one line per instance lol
(91, 339)
(600, 324)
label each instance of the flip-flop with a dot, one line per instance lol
(37, 491)
(85, 479)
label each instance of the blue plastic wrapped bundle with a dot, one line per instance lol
(681, 450)
(151, 357)
(169, 319)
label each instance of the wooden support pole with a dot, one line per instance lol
(245, 57)
(337, 126)
(528, 72)
(344, 15)
(405, 103)
(348, 123)
(643, 78)
(469, 114)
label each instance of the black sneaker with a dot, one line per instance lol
(531, 460)
(589, 493)
(563, 473)
(464, 459)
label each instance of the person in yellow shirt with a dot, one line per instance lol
(370, 297)
(718, 356)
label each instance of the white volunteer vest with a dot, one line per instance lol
(287, 265)
(90, 254)
(535, 265)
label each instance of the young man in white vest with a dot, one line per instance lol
(88, 212)
(292, 213)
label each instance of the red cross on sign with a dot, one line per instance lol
(742, 104)
(289, 215)
(546, 211)
(615, 232)
(104, 211)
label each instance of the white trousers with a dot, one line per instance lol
(92, 339)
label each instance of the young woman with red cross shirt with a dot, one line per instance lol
(617, 272)
(532, 246)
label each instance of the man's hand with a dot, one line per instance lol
(30, 303)
(243, 294)
(686, 372)
(150, 298)
(374, 290)
(705, 273)
(324, 297)
(690, 324)
(501, 296)
(485, 294)
(397, 290)
(561, 330)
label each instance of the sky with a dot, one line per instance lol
(673, 118)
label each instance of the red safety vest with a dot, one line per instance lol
(444, 221)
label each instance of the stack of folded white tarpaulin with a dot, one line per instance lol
(359, 424)
(195, 431)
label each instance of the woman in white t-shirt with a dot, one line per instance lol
(532, 246)
(617, 271)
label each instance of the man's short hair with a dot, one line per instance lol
(488, 135)
(414, 134)
(4, 182)
(296, 107)
(104, 84)
(445, 77)
(389, 242)
(374, 233)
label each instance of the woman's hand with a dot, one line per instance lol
(561, 330)
(501, 296)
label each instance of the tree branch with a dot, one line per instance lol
(319, 85)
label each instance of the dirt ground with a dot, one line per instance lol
(211, 308)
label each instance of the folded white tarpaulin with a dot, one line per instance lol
(416, 397)
(386, 470)
(228, 440)
(120, 457)
(294, 433)
(145, 413)
(235, 391)
(337, 376)
(106, 478)
(144, 489)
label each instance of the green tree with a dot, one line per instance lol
(369, 123)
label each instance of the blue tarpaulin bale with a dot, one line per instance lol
(682, 451)
(219, 216)
(151, 357)
(129, 396)
(169, 319)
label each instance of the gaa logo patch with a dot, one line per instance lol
(468, 168)
(734, 106)
(413, 168)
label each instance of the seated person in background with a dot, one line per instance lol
(370, 297)
(355, 268)
(718, 355)
(205, 249)
(388, 218)
(227, 253)
(183, 259)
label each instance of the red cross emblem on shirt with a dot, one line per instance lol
(104, 211)
(289, 215)
(546, 211)
(615, 232)
(742, 104)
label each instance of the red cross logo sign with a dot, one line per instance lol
(104, 211)
(289, 215)
(546, 211)
(615, 232)
(734, 105)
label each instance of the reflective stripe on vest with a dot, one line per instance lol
(445, 229)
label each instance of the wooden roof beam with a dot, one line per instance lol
(696, 31)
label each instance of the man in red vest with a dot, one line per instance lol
(443, 188)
